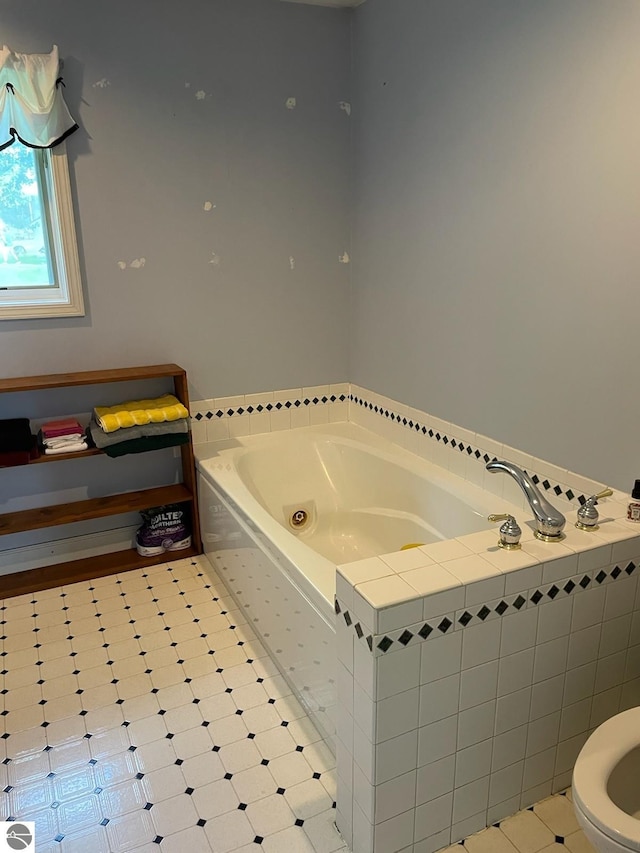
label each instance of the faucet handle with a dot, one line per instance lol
(510, 531)
(588, 514)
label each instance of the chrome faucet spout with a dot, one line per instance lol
(549, 521)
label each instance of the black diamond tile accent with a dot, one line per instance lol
(502, 607)
(569, 494)
(601, 576)
(347, 617)
(336, 607)
(299, 822)
(385, 644)
(559, 839)
(536, 597)
(370, 642)
(483, 612)
(630, 569)
(258, 839)
(557, 490)
(425, 630)
(358, 630)
(615, 574)
(535, 478)
(280, 791)
(445, 625)
(519, 602)
(405, 637)
(546, 484)
(586, 580)
(553, 592)
(228, 776)
(316, 775)
(569, 587)
(465, 618)
(201, 822)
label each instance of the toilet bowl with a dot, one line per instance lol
(606, 785)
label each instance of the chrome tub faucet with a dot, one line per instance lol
(549, 521)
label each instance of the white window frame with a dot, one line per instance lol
(66, 298)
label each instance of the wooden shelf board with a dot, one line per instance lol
(60, 457)
(116, 562)
(89, 377)
(49, 516)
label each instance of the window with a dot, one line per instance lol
(39, 269)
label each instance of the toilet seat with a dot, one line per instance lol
(599, 756)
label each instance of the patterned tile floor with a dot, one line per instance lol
(140, 714)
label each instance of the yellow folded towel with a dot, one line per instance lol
(139, 412)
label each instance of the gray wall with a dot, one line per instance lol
(150, 154)
(496, 235)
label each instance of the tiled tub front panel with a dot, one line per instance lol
(453, 720)
(299, 638)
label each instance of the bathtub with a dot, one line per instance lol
(280, 510)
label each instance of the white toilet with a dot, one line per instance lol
(606, 785)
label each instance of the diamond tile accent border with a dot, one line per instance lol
(473, 452)
(447, 623)
(270, 406)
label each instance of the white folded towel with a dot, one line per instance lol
(64, 441)
(70, 447)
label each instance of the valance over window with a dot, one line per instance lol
(32, 108)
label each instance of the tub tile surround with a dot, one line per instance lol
(468, 677)
(268, 411)
(455, 720)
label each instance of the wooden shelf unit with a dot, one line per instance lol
(57, 574)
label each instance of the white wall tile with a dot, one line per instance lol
(546, 697)
(575, 719)
(398, 672)
(437, 740)
(610, 671)
(476, 724)
(473, 763)
(515, 671)
(518, 631)
(443, 602)
(434, 816)
(539, 769)
(478, 684)
(512, 710)
(579, 683)
(399, 616)
(441, 657)
(543, 733)
(614, 636)
(435, 779)
(508, 748)
(470, 799)
(395, 796)
(396, 756)
(583, 646)
(619, 598)
(550, 659)
(439, 699)
(481, 643)
(394, 832)
(397, 714)
(554, 619)
(505, 784)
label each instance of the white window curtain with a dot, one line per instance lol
(32, 108)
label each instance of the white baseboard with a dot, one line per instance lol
(61, 550)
